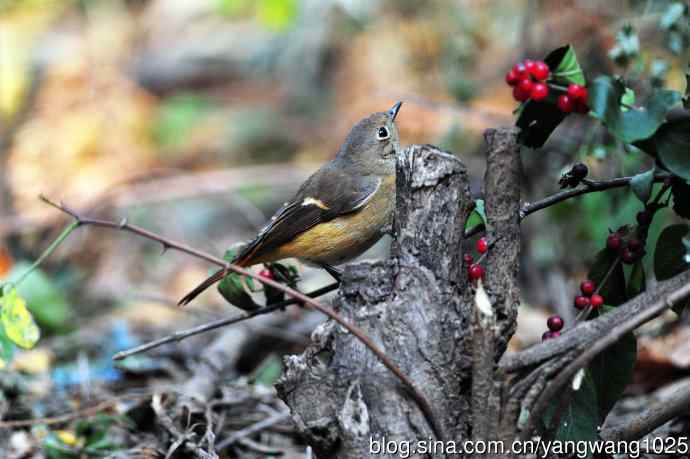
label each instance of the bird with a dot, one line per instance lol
(339, 212)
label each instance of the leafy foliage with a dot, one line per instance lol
(641, 185)
(680, 189)
(669, 256)
(631, 124)
(17, 321)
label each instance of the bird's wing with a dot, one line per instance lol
(326, 195)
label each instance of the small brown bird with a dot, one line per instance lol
(338, 212)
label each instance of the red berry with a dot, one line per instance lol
(588, 287)
(482, 245)
(468, 258)
(530, 65)
(555, 323)
(581, 302)
(525, 85)
(596, 301)
(519, 94)
(520, 70)
(266, 274)
(577, 92)
(565, 103)
(541, 71)
(628, 256)
(512, 78)
(539, 91)
(476, 272)
(555, 334)
(613, 242)
(547, 335)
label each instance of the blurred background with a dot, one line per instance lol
(197, 119)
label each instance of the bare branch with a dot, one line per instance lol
(418, 397)
(674, 405)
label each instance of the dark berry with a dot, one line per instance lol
(468, 258)
(482, 245)
(644, 218)
(266, 274)
(581, 302)
(579, 171)
(512, 78)
(541, 71)
(539, 91)
(581, 107)
(587, 287)
(547, 335)
(565, 103)
(634, 244)
(555, 334)
(475, 272)
(555, 323)
(596, 301)
(613, 242)
(628, 256)
(519, 94)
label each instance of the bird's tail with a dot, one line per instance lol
(215, 277)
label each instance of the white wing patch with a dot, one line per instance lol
(309, 201)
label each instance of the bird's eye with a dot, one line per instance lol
(382, 133)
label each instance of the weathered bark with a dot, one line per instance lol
(418, 307)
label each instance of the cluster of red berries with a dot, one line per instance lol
(589, 296)
(475, 270)
(555, 324)
(574, 100)
(630, 247)
(528, 80)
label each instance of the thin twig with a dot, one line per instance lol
(610, 338)
(418, 397)
(79, 414)
(183, 334)
(588, 186)
(254, 428)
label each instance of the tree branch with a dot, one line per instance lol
(674, 405)
(614, 333)
(418, 397)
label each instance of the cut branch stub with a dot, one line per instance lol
(410, 305)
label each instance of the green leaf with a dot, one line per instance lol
(614, 290)
(680, 190)
(568, 69)
(6, 349)
(669, 255)
(579, 418)
(633, 124)
(17, 321)
(637, 282)
(269, 371)
(233, 290)
(277, 14)
(45, 299)
(672, 144)
(477, 216)
(612, 371)
(641, 185)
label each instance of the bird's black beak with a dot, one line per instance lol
(393, 112)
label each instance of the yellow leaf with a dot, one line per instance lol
(68, 438)
(17, 320)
